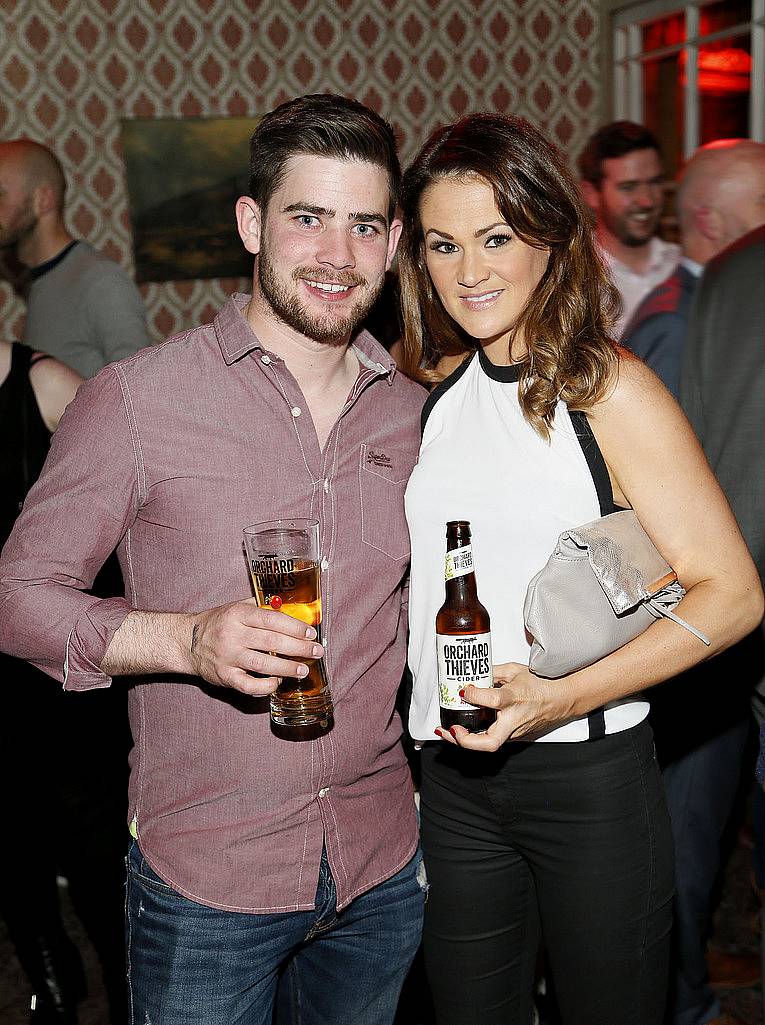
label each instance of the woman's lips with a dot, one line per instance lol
(482, 300)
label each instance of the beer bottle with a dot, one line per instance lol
(463, 636)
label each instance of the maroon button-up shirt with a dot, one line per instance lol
(167, 456)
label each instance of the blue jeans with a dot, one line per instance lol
(701, 721)
(701, 788)
(193, 965)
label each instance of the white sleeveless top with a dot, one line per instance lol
(481, 461)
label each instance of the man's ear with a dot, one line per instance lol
(43, 200)
(248, 222)
(709, 223)
(394, 234)
(590, 194)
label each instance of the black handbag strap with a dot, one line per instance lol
(596, 720)
(595, 462)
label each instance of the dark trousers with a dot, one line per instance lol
(701, 787)
(567, 842)
(701, 721)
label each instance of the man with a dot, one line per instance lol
(254, 855)
(700, 735)
(82, 308)
(723, 377)
(723, 392)
(623, 183)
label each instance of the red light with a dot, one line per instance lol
(721, 71)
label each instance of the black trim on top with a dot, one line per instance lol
(595, 462)
(506, 374)
(43, 268)
(38, 357)
(440, 390)
(510, 374)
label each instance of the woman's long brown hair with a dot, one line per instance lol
(567, 319)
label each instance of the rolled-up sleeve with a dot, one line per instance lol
(77, 513)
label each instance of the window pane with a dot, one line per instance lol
(664, 32)
(663, 108)
(724, 14)
(725, 69)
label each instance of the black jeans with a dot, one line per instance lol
(567, 842)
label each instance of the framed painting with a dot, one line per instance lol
(183, 179)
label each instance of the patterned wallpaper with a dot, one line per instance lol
(70, 69)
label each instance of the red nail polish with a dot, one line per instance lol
(462, 693)
(452, 731)
(437, 731)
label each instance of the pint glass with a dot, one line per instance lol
(283, 556)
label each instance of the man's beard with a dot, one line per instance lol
(331, 327)
(619, 226)
(20, 228)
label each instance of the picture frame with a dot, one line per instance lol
(183, 179)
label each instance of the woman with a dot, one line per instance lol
(553, 821)
(34, 391)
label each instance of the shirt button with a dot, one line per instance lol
(265, 359)
(325, 564)
(296, 411)
(326, 486)
(324, 791)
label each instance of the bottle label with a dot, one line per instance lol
(462, 660)
(459, 562)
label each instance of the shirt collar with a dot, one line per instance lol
(236, 339)
(696, 269)
(373, 356)
(235, 336)
(43, 268)
(660, 253)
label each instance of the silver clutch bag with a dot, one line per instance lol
(604, 584)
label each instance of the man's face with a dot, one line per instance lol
(325, 244)
(631, 196)
(17, 216)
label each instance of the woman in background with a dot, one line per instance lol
(34, 391)
(552, 823)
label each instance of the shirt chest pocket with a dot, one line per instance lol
(382, 479)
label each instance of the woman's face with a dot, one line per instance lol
(482, 272)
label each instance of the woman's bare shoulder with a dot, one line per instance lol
(54, 385)
(632, 391)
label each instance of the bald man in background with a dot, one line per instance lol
(720, 197)
(82, 307)
(701, 720)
